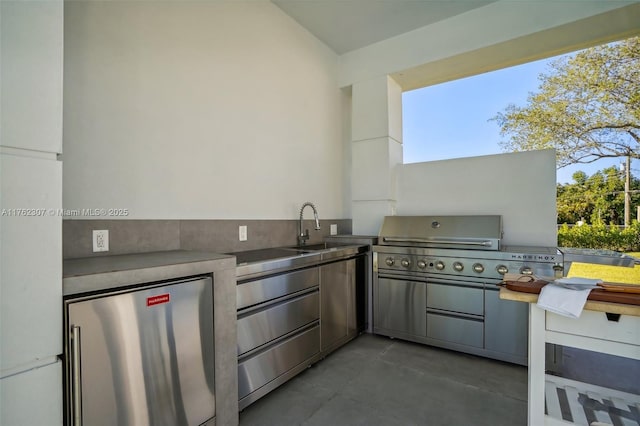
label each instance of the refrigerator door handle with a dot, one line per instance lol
(76, 384)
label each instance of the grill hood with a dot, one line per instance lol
(455, 232)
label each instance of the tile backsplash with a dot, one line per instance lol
(136, 236)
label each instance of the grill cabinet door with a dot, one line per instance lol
(401, 306)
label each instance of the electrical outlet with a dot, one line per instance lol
(334, 229)
(100, 240)
(242, 232)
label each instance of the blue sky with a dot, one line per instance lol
(451, 120)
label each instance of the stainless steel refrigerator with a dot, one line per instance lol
(141, 357)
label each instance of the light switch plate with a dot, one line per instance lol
(334, 229)
(242, 232)
(100, 240)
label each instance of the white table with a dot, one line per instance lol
(592, 331)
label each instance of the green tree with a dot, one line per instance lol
(572, 202)
(595, 198)
(587, 108)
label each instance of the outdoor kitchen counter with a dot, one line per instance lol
(591, 305)
(606, 327)
(111, 272)
(100, 273)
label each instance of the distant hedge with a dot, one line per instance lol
(601, 236)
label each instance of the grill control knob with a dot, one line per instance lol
(557, 270)
(439, 265)
(502, 269)
(405, 263)
(422, 264)
(389, 261)
(526, 270)
(477, 267)
(458, 266)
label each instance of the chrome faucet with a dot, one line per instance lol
(304, 236)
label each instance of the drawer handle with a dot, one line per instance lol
(612, 317)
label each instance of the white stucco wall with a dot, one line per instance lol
(201, 110)
(521, 187)
(31, 42)
(231, 110)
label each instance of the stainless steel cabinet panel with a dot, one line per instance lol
(401, 306)
(506, 325)
(455, 330)
(259, 291)
(263, 367)
(455, 298)
(337, 292)
(261, 326)
(146, 357)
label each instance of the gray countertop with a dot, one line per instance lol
(110, 272)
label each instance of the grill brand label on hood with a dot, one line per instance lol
(534, 257)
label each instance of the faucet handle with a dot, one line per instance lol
(302, 238)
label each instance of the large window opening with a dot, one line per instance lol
(455, 119)
(451, 120)
(585, 104)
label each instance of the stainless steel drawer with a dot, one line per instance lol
(455, 298)
(264, 325)
(455, 330)
(258, 370)
(259, 291)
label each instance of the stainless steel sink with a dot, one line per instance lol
(319, 246)
(329, 250)
(258, 262)
(271, 260)
(261, 255)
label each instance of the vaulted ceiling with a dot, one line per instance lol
(424, 42)
(346, 25)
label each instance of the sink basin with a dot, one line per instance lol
(318, 246)
(255, 263)
(261, 255)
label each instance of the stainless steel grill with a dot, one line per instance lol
(436, 282)
(459, 246)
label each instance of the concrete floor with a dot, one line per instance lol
(375, 380)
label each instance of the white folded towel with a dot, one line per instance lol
(578, 283)
(562, 300)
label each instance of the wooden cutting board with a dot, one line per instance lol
(597, 294)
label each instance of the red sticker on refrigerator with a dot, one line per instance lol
(158, 300)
